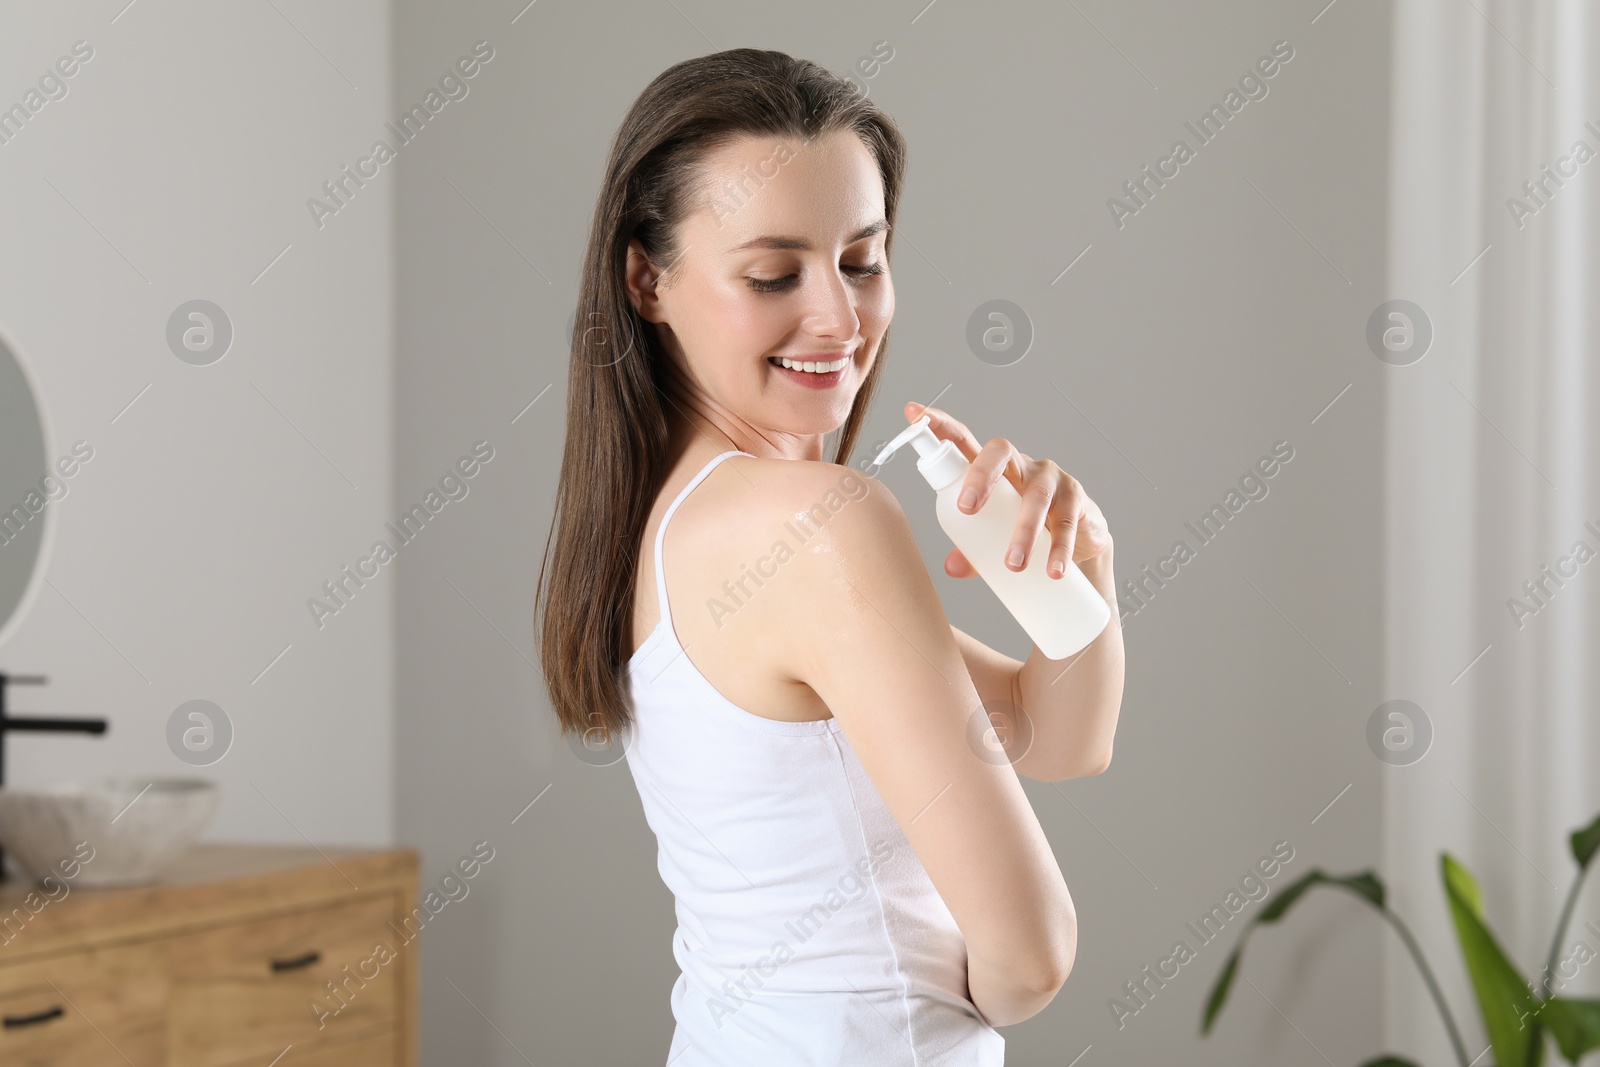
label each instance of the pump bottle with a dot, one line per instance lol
(1061, 615)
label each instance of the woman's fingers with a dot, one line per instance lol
(1052, 499)
(1064, 531)
(957, 565)
(997, 455)
(1039, 502)
(995, 459)
(945, 427)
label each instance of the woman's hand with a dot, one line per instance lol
(1050, 498)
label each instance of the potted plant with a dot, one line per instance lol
(1515, 1014)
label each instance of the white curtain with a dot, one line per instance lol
(1491, 475)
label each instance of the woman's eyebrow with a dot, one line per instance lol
(800, 244)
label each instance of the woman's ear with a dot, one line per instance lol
(641, 278)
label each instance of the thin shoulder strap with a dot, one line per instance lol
(661, 574)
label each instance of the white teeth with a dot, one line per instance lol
(814, 368)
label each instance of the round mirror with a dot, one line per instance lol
(29, 489)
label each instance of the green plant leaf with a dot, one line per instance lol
(1585, 842)
(1219, 991)
(1575, 1024)
(1389, 1061)
(1365, 885)
(1504, 1000)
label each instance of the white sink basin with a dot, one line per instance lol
(119, 831)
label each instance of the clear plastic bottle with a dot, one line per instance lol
(1061, 615)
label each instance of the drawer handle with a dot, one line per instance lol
(36, 1017)
(299, 961)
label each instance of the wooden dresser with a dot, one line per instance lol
(265, 955)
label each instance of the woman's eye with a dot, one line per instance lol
(774, 285)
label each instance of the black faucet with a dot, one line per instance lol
(8, 723)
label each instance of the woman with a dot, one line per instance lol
(858, 876)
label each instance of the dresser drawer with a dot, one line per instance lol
(324, 976)
(379, 1050)
(96, 1008)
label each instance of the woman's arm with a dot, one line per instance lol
(1072, 704)
(861, 624)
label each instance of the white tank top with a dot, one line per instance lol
(808, 931)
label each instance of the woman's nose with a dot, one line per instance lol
(830, 306)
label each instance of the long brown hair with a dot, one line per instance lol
(615, 457)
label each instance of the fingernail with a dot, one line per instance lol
(1015, 558)
(1057, 568)
(969, 497)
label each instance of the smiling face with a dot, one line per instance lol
(783, 259)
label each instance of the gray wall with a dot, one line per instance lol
(219, 498)
(1220, 319)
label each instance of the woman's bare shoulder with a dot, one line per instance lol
(802, 498)
(807, 549)
(769, 545)
(836, 523)
(842, 528)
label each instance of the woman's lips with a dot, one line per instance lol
(811, 379)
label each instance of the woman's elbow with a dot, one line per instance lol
(1055, 976)
(1085, 765)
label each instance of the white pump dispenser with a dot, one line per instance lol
(1061, 615)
